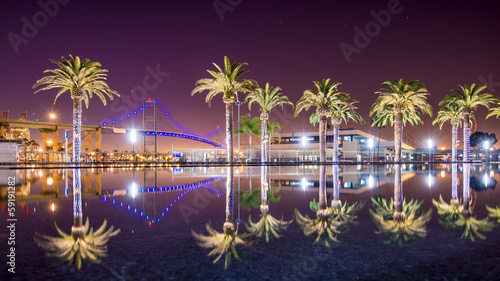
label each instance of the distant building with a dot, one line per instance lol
(9, 150)
(353, 146)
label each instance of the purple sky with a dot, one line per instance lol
(287, 43)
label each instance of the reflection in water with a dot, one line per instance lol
(327, 223)
(453, 210)
(344, 212)
(267, 223)
(460, 217)
(401, 220)
(83, 245)
(224, 244)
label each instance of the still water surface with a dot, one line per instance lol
(163, 215)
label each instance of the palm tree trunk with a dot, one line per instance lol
(77, 126)
(250, 147)
(229, 194)
(264, 139)
(454, 137)
(229, 132)
(322, 139)
(398, 133)
(335, 147)
(264, 189)
(336, 187)
(77, 199)
(466, 146)
(398, 193)
(77, 188)
(322, 187)
(466, 192)
(454, 183)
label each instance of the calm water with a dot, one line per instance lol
(158, 209)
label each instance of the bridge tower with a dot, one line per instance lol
(149, 123)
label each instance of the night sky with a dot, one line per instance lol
(287, 43)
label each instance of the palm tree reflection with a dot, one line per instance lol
(224, 244)
(345, 211)
(326, 224)
(83, 245)
(460, 216)
(402, 221)
(267, 223)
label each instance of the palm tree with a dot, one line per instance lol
(468, 99)
(251, 127)
(399, 102)
(267, 98)
(344, 111)
(226, 82)
(453, 114)
(325, 99)
(82, 79)
(224, 244)
(494, 112)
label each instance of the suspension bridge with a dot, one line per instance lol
(156, 122)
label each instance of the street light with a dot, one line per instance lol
(430, 144)
(486, 146)
(304, 143)
(133, 139)
(370, 145)
(52, 117)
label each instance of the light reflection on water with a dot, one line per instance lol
(162, 206)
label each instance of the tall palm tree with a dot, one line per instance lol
(226, 82)
(343, 111)
(399, 102)
(251, 127)
(82, 79)
(453, 114)
(267, 98)
(324, 99)
(468, 98)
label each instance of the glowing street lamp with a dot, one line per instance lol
(370, 145)
(430, 144)
(486, 146)
(304, 143)
(52, 117)
(133, 139)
